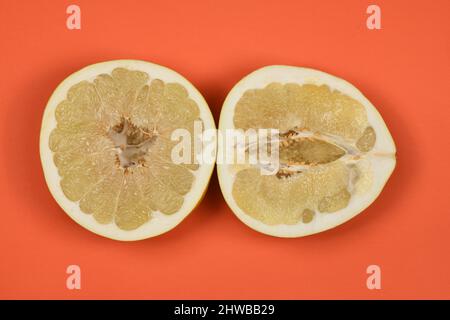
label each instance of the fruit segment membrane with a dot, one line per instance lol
(325, 146)
(112, 146)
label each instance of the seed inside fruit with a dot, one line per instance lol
(309, 151)
(307, 216)
(367, 140)
(112, 146)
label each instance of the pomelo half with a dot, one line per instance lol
(106, 148)
(335, 151)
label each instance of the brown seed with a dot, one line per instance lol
(307, 215)
(367, 141)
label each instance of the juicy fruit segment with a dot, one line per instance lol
(283, 200)
(289, 106)
(112, 146)
(325, 144)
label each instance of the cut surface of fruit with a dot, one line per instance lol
(106, 148)
(335, 152)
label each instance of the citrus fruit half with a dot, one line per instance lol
(335, 152)
(106, 148)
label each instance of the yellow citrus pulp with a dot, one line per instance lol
(335, 151)
(106, 147)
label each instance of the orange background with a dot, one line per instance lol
(403, 69)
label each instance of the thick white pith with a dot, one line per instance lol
(382, 167)
(159, 223)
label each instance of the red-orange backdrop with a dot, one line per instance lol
(402, 68)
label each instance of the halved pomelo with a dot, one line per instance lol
(335, 151)
(106, 148)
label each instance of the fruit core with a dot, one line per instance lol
(132, 143)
